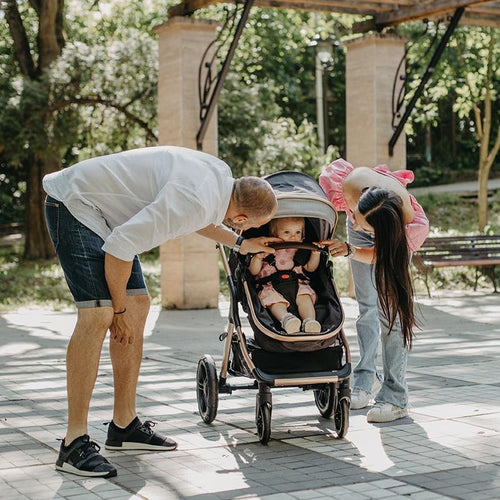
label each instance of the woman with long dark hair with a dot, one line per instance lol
(385, 224)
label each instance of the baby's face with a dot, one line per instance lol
(290, 230)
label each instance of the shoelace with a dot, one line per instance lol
(146, 427)
(90, 449)
(88, 444)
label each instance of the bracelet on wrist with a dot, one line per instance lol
(237, 245)
(351, 251)
(120, 312)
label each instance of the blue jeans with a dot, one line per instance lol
(372, 325)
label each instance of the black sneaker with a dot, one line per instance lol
(137, 436)
(82, 458)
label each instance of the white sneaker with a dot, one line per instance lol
(385, 412)
(290, 323)
(359, 399)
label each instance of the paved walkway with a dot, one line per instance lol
(449, 446)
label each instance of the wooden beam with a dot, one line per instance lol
(187, 7)
(369, 8)
(421, 10)
(479, 19)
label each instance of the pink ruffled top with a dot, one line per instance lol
(332, 179)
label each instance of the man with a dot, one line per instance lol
(101, 213)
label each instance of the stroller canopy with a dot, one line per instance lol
(299, 195)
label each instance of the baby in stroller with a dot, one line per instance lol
(282, 282)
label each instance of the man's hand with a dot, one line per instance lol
(122, 330)
(259, 245)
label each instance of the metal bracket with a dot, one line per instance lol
(425, 78)
(212, 86)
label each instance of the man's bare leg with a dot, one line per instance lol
(82, 363)
(126, 361)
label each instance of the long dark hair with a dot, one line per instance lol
(383, 210)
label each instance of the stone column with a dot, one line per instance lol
(189, 265)
(371, 66)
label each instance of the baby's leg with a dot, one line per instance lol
(278, 310)
(305, 306)
(289, 322)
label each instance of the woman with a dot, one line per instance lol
(385, 224)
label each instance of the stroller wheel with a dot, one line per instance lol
(263, 422)
(207, 388)
(325, 400)
(342, 418)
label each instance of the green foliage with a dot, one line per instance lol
(98, 97)
(442, 130)
(287, 146)
(268, 103)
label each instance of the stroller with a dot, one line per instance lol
(312, 361)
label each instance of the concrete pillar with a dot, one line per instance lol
(371, 66)
(189, 265)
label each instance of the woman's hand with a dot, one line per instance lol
(336, 247)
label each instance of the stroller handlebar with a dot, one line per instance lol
(298, 245)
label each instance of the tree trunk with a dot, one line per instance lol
(486, 157)
(482, 194)
(43, 158)
(38, 244)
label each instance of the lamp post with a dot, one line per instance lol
(323, 58)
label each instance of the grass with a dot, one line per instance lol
(41, 283)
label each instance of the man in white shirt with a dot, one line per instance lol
(101, 213)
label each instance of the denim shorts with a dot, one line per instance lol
(81, 256)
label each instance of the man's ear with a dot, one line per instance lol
(240, 218)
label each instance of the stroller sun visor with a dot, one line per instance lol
(299, 195)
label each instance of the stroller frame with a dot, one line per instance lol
(331, 387)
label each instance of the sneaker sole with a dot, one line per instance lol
(139, 446)
(375, 419)
(357, 406)
(312, 329)
(65, 467)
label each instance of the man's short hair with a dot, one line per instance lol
(254, 197)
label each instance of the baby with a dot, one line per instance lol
(288, 229)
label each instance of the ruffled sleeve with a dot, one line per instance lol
(331, 180)
(418, 229)
(404, 177)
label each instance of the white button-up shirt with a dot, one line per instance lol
(138, 199)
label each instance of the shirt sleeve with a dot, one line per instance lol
(331, 180)
(418, 229)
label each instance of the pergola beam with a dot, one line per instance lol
(187, 7)
(382, 13)
(410, 13)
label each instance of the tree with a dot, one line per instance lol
(78, 85)
(464, 84)
(481, 78)
(42, 156)
(270, 84)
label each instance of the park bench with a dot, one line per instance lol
(479, 251)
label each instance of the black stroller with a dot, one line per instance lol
(317, 361)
